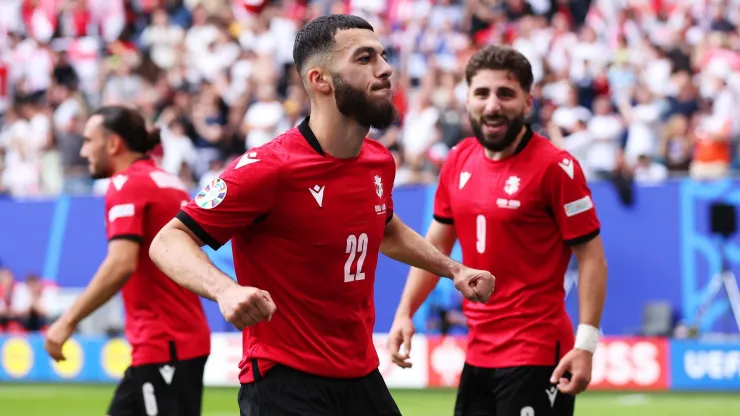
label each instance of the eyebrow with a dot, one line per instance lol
(369, 50)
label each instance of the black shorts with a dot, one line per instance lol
(515, 391)
(170, 389)
(284, 391)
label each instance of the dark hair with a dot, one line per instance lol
(501, 58)
(130, 126)
(318, 36)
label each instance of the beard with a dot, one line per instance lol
(501, 141)
(100, 170)
(356, 104)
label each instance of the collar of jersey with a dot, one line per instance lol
(525, 140)
(310, 137)
(528, 134)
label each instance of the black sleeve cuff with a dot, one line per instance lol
(443, 220)
(198, 230)
(389, 217)
(584, 238)
(130, 237)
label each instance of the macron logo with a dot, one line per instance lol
(318, 194)
(552, 393)
(118, 181)
(247, 160)
(567, 166)
(167, 372)
(464, 178)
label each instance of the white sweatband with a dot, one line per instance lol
(587, 338)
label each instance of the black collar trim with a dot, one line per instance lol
(525, 140)
(310, 137)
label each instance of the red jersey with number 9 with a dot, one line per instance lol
(517, 218)
(306, 227)
(162, 318)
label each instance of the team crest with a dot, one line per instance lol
(212, 194)
(511, 185)
(378, 186)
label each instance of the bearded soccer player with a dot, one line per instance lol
(309, 213)
(520, 207)
(164, 323)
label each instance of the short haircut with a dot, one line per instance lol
(501, 58)
(130, 126)
(317, 37)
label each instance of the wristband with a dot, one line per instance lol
(587, 338)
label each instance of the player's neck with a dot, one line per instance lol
(510, 150)
(123, 162)
(339, 136)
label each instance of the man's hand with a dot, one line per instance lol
(578, 363)
(57, 334)
(475, 285)
(246, 306)
(400, 335)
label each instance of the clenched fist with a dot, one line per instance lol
(475, 285)
(246, 306)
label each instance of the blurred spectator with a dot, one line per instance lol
(31, 302)
(647, 171)
(624, 82)
(6, 296)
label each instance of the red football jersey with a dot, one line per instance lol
(516, 218)
(306, 227)
(161, 316)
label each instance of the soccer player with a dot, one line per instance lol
(164, 323)
(520, 207)
(308, 214)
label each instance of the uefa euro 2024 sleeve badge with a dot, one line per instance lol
(212, 194)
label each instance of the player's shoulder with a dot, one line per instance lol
(131, 180)
(461, 151)
(143, 182)
(377, 149)
(550, 157)
(270, 155)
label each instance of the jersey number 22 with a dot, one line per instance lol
(356, 247)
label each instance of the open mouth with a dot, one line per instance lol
(494, 126)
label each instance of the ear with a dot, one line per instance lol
(319, 81)
(115, 144)
(530, 102)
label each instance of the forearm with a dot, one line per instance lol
(419, 285)
(403, 244)
(109, 279)
(179, 257)
(592, 275)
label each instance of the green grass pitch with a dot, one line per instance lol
(92, 400)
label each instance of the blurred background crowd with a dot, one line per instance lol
(636, 89)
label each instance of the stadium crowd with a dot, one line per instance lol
(635, 89)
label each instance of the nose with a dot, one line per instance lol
(384, 69)
(493, 105)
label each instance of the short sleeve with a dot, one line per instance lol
(125, 203)
(442, 207)
(240, 197)
(571, 202)
(389, 201)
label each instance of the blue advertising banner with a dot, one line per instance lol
(659, 248)
(704, 365)
(88, 359)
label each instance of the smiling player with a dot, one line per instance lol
(520, 207)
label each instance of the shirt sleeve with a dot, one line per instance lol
(389, 201)
(442, 207)
(240, 197)
(571, 202)
(125, 204)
